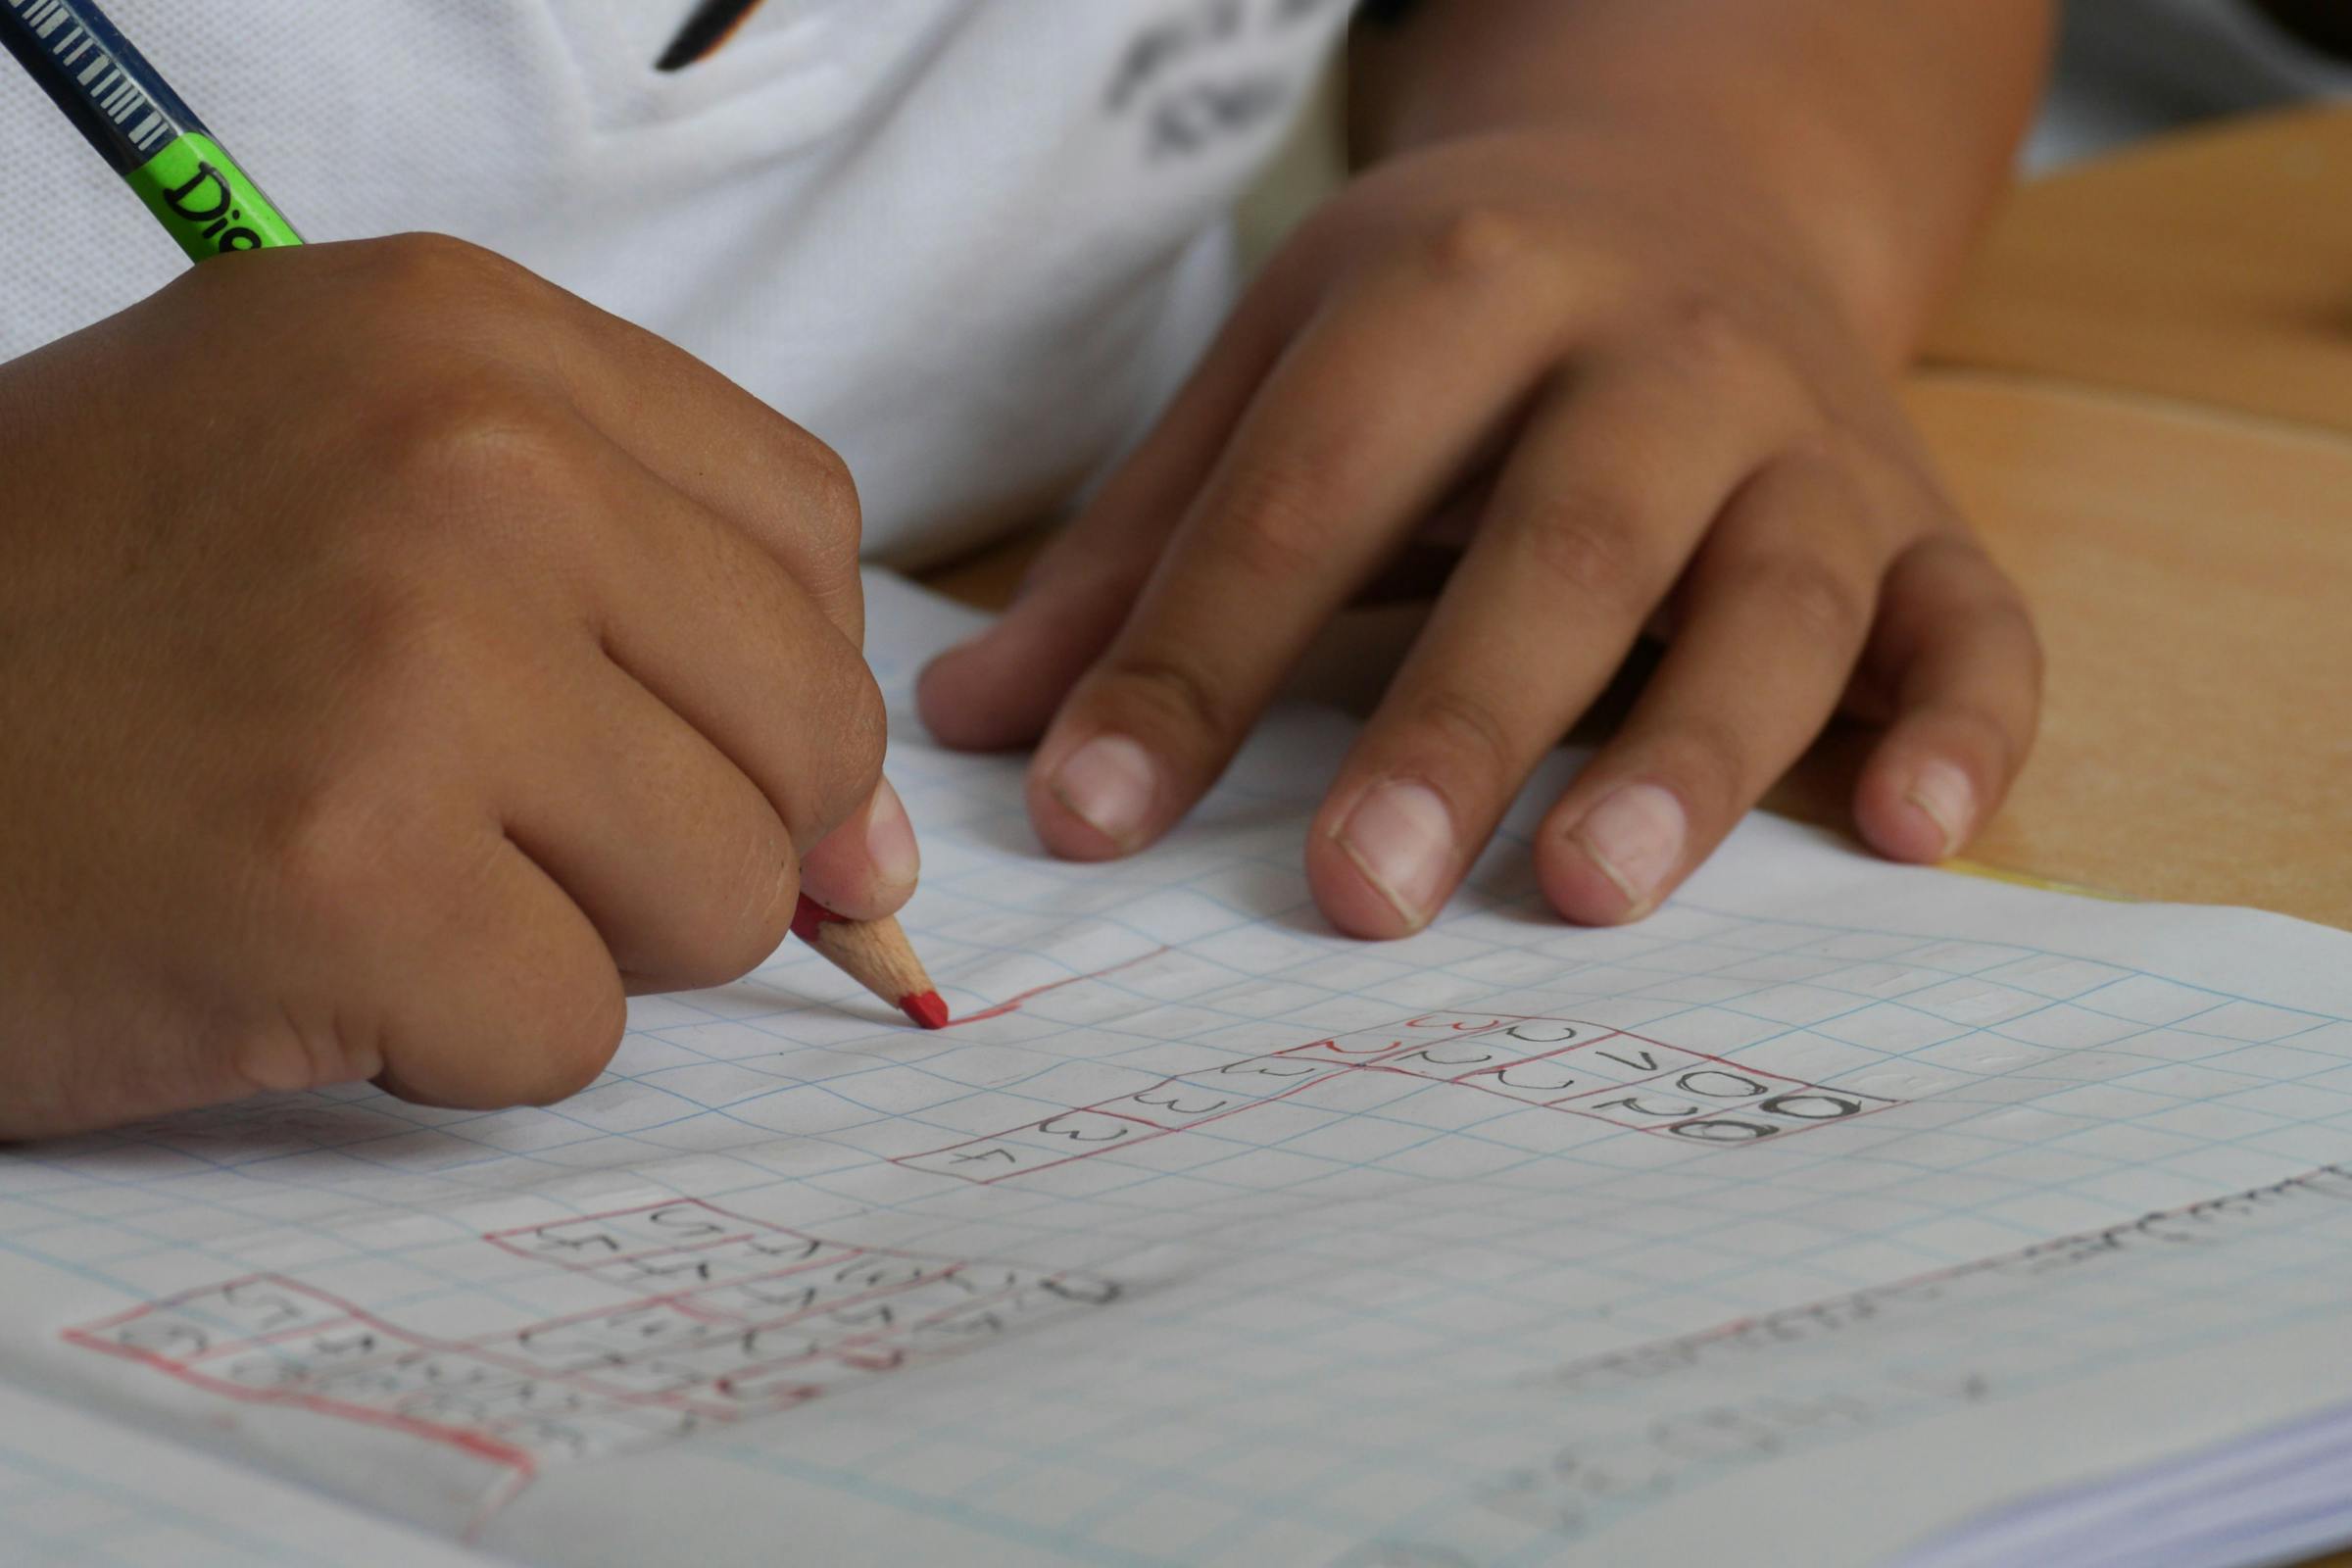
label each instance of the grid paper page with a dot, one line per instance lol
(1813, 1210)
(77, 1491)
(2279, 1498)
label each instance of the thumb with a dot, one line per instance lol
(866, 868)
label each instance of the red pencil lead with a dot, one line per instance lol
(926, 1009)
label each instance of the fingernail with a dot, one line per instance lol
(1635, 837)
(890, 839)
(1400, 836)
(1946, 797)
(1109, 783)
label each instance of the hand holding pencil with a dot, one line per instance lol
(406, 684)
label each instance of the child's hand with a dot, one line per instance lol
(399, 659)
(1651, 414)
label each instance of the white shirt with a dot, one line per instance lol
(970, 243)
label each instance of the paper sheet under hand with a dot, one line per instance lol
(1833, 1206)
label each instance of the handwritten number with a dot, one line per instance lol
(1175, 1103)
(1722, 1131)
(1567, 1080)
(1743, 1087)
(1077, 1136)
(279, 1307)
(549, 1239)
(1633, 1103)
(1840, 1106)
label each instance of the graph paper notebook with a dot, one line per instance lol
(1836, 1206)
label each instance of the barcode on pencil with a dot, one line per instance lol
(104, 83)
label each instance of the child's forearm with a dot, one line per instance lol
(1879, 132)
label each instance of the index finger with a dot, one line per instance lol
(1359, 431)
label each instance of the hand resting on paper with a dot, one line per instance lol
(1640, 365)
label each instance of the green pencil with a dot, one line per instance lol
(141, 128)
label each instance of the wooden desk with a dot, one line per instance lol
(2214, 267)
(2194, 578)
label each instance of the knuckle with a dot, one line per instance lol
(477, 443)
(1704, 335)
(1698, 341)
(1275, 527)
(1804, 592)
(323, 850)
(330, 831)
(829, 490)
(1710, 764)
(1172, 694)
(442, 271)
(1865, 472)
(1479, 243)
(1590, 547)
(1468, 729)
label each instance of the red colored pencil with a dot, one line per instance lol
(877, 956)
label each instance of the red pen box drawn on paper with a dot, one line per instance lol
(1560, 1064)
(721, 1318)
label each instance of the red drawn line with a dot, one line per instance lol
(672, 1248)
(683, 1259)
(510, 1488)
(865, 1351)
(175, 1302)
(663, 1244)
(1336, 1071)
(599, 1261)
(1066, 1160)
(479, 1443)
(1014, 1006)
(580, 1380)
(1388, 1059)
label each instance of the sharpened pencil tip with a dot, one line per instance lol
(925, 1008)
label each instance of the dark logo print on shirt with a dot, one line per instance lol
(1194, 80)
(707, 32)
(2324, 24)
